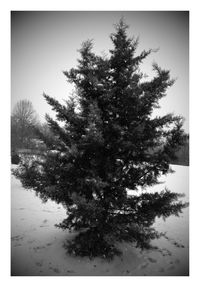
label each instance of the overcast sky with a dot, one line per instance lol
(43, 44)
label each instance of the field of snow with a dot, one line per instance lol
(37, 245)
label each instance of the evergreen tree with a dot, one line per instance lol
(105, 143)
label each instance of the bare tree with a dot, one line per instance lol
(23, 121)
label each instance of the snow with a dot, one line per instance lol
(37, 245)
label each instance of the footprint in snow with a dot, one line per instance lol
(38, 248)
(39, 264)
(165, 252)
(178, 244)
(17, 238)
(70, 271)
(161, 270)
(49, 244)
(56, 270)
(16, 245)
(152, 260)
(144, 265)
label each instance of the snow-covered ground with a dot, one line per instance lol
(37, 245)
